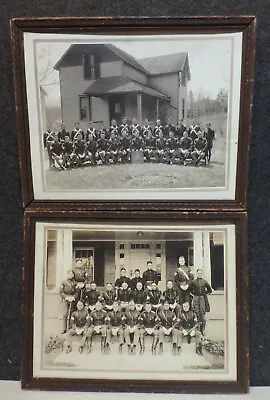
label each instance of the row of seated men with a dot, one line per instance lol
(115, 145)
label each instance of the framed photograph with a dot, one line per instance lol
(149, 111)
(147, 305)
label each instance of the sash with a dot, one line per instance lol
(167, 331)
(149, 331)
(115, 330)
(132, 328)
(69, 298)
(97, 329)
(184, 273)
(79, 331)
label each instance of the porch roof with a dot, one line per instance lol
(121, 85)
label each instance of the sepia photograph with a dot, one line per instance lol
(135, 302)
(123, 117)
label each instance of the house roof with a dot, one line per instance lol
(166, 63)
(121, 84)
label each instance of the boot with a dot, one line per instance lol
(129, 349)
(133, 349)
(107, 348)
(154, 345)
(102, 343)
(69, 349)
(142, 345)
(189, 339)
(199, 349)
(81, 349)
(174, 349)
(120, 348)
(160, 348)
(89, 345)
(179, 350)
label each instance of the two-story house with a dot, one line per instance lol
(101, 82)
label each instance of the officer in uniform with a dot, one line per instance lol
(91, 149)
(185, 147)
(160, 147)
(139, 296)
(137, 278)
(67, 147)
(116, 322)
(124, 295)
(114, 128)
(98, 326)
(90, 296)
(135, 127)
(148, 320)
(183, 273)
(137, 142)
(76, 131)
(79, 325)
(149, 146)
(200, 146)
(56, 151)
(209, 135)
(171, 296)
(146, 129)
(123, 278)
(79, 276)
(69, 296)
(48, 138)
(132, 327)
(113, 148)
(158, 129)
(63, 133)
(167, 326)
(189, 327)
(79, 150)
(91, 131)
(124, 147)
(150, 275)
(200, 289)
(180, 129)
(102, 149)
(172, 146)
(154, 296)
(109, 297)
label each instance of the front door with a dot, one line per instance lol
(116, 108)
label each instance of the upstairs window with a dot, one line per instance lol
(91, 65)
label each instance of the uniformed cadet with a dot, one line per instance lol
(91, 131)
(63, 133)
(193, 130)
(79, 150)
(169, 128)
(102, 149)
(149, 146)
(148, 320)
(199, 151)
(150, 275)
(90, 296)
(139, 296)
(124, 147)
(121, 279)
(146, 129)
(113, 148)
(116, 323)
(189, 327)
(137, 142)
(209, 135)
(76, 131)
(132, 327)
(98, 326)
(124, 295)
(167, 326)
(137, 278)
(158, 129)
(154, 295)
(171, 296)
(180, 129)
(200, 289)
(183, 272)
(79, 322)
(79, 276)
(67, 147)
(135, 127)
(172, 146)
(56, 151)
(114, 128)
(48, 138)
(124, 127)
(108, 297)
(103, 130)
(160, 147)
(69, 295)
(185, 147)
(91, 149)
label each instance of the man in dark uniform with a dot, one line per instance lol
(102, 149)
(167, 326)
(146, 129)
(200, 146)
(169, 128)
(158, 129)
(103, 130)
(185, 147)
(98, 326)
(137, 142)
(183, 272)
(69, 295)
(193, 130)
(116, 323)
(139, 296)
(137, 278)
(108, 297)
(124, 127)
(79, 150)
(91, 149)
(91, 131)
(180, 129)
(150, 275)
(90, 296)
(113, 129)
(189, 327)
(77, 130)
(149, 146)
(124, 147)
(79, 276)
(124, 295)
(209, 135)
(160, 147)
(148, 320)
(154, 295)
(80, 322)
(48, 138)
(67, 147)
(113, 148)
(63, 133)
(172, 146)
(171, 296)
(123, 278)
(200, 289)
(135, 127)
(56, 151)
(132, 327)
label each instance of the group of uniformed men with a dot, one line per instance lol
(115, 145)
(133, 308)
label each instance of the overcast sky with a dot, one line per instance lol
(209, 60)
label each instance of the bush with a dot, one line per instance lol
(53, 343)
(215, 348)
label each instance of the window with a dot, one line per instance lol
(139, 246)
(158, 246)
(51, 260)
(84, 108)
(121, 246)
(190, 257)
(91, 65)
(183, 108)
(217, 262)
(122, 255)
(87, 256)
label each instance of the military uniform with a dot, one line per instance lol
(189, 327)
(135, 280)
(200, 288)
(47, 140)
(139, 297)
(167, 326)
(172, 146)
(124, 296)
(158, 129)
(79, 276)
(169, 128)
(79, 152)
(75, 133)
(160, 149)
(149, 147)
(113, 149)
(69, 295)
(171, 296)
(98, 325)
(80, 322)
(145, 131)
(135, 128)
(90, 298)
(102, 150)
(154, 298)
(132, 322)
(115, 320)
(148, 322)
(67, 153)
(124, 149)
(198, 153)
(180, 129)
(121, 280)
(124, 127)
(209, 135)
(137, 144)
(185, 148)
(114, 129)
(62, 134)
(91, 131)
(150, 276)
(193, 130)
(108, 298)
(56, 152)
(91, 149)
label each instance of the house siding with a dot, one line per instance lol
(133, 73)
(113, 68)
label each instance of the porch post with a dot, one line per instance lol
(67, 250)
(198, 250)
(207, 256)
(139, 108)
(157, 110)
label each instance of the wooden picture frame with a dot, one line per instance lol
(25, 69)
(81, 225)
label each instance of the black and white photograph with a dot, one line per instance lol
(136, 302)
(123, 117)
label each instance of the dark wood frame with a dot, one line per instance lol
(125, 25)
(33, 215)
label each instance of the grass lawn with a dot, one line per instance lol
(141, 176)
